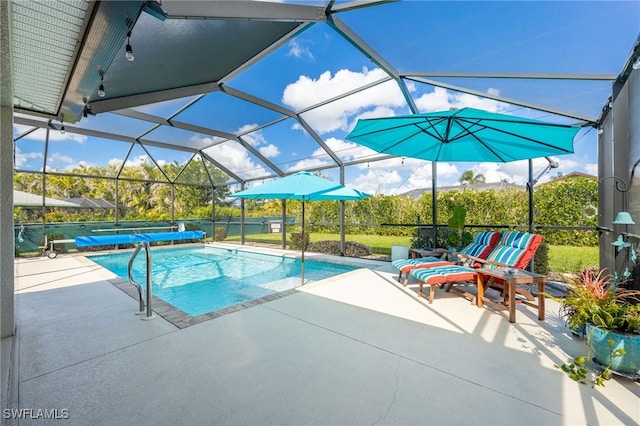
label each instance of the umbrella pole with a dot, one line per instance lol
(434, 202)
(302, 239)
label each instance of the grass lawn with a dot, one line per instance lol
(572, 259)
(562, 259)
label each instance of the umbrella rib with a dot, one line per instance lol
(487, 147)
(520, 136)
(384, 130)
(432, 125)
(527, 122)
(420, 130)
(385, 150)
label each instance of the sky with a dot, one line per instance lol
(573, 37)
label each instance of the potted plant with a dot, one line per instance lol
(608, 317)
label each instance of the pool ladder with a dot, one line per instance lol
(149, 313)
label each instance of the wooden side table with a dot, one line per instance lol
(511, 280)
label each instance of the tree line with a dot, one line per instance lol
(145, 193)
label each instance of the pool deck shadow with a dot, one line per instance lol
(354, 349)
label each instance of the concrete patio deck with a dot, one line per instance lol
(350, 350)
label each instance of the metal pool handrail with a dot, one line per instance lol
(149, 313)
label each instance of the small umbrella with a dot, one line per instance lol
(303, 186)
(465, 134)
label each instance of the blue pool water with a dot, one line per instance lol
(198, 280)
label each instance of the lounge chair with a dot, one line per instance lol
(481, 246)
(514, 250)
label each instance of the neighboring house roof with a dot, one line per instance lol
(490, 186)
(569, 176)
(93, 203)
(25, 199)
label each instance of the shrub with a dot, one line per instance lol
(333, 247)
(541, 259)
(356, 250)
(295, 242)
(220, 234)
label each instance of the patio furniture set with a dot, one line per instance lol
(492, 260)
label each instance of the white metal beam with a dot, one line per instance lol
(242, 9)
(588, 121)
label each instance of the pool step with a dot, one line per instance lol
(266, 289)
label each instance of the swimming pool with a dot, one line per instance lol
(199, 280)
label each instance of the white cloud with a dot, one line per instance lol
(236, 158)
(269, 151)
(21, 158)
(299, 50)
(422, 177)
(136, 161)
(54, 135)
(78, 164)
(515, 172)
(441, 99)
(115, 162)
(257, 140)
(377, 181)
(19, 129)
(337, 115)
(309, 163)
(56, 156)
(344, 150)
(591, 168)
(518, 171)
(397, 176)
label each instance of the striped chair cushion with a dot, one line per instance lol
(515, 249)
(481, 246)
(444, 274)
(487, 238)
(402, 262)
(424, 262)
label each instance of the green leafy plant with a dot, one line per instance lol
(595, 299)
(578, 371)
(458, 237)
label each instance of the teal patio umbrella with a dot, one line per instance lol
(462, 135)
(303, 186)
(465, 134)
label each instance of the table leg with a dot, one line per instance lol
(511, 285)
(480, 284)
(541, 300)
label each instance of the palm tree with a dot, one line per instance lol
(468, 177)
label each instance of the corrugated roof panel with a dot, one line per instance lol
(45, 35)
